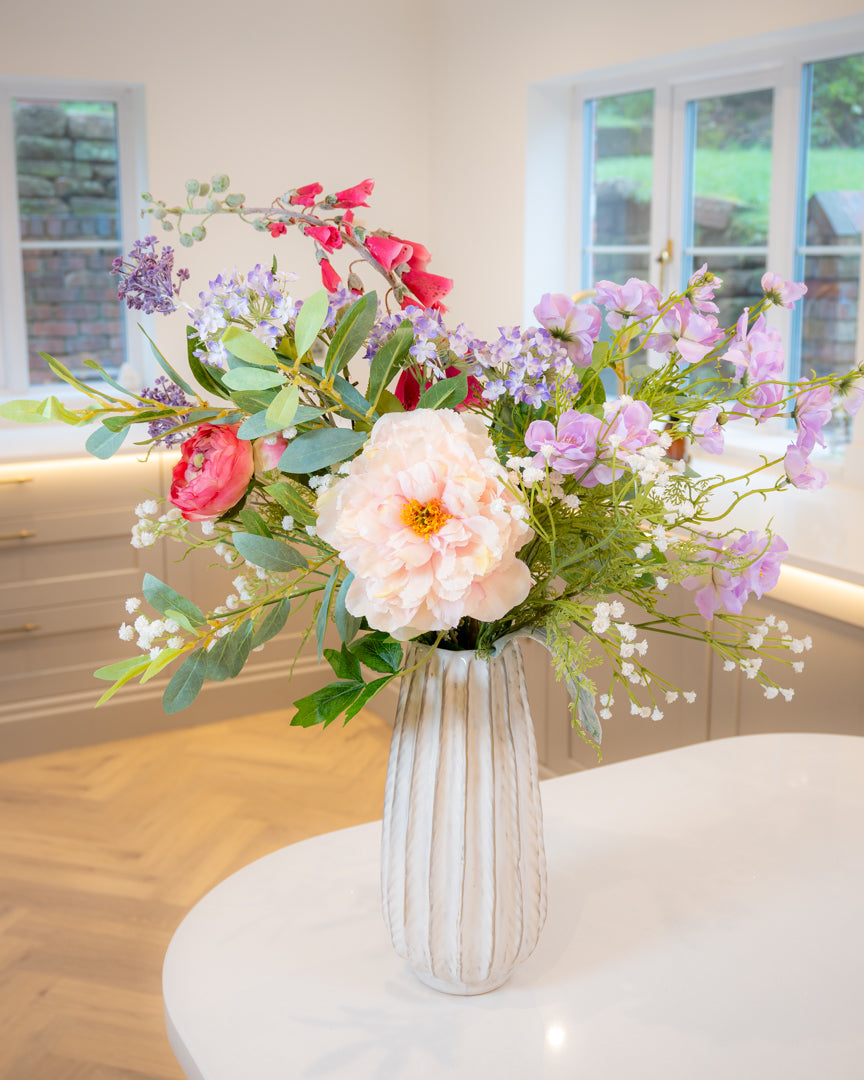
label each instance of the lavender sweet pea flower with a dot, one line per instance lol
(729, 588)
(571, 449)
(626, 430)
(576, 326)
(801, 472)
(628, 303)
(707, 431)
(782, 293)
(763, 572)
(812, 412)
(701, 288)
(685, 331)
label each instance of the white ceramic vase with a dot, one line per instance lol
(463, 869)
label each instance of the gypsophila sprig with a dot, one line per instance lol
(355, 462)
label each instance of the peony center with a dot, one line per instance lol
(424, 518)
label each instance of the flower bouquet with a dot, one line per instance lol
(404, 481)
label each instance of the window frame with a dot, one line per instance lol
(128, 100)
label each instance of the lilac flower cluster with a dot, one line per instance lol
(526, 365)
(749, 564)
(431, 338)
(168, 393)
(259, 301)
(146, 279)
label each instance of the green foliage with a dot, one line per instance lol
(351, 333)
(389, 359)
(309, 322)
(245, 346)
(268, 553)
(171, 604)
(282, 410)
(104, 443)
(315, 450)
(445, 394)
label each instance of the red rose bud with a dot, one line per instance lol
(329, 277)
(306, 195)
(277, 228)
(428, 288)
(354, 196)
(408, 390)
(328, 236)
(387, 251)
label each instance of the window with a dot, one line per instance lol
(753, 161)
(70, 180)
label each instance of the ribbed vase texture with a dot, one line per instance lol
(463, 869)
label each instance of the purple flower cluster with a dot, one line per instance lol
(757, 355)
(813, 409)
(750, 564)
(592, 450)
(525, 365)
(168, 393)
(431, 338)
(259, 301)
(146, 279)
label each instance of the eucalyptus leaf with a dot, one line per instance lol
(253, 523)
(283, 409)
(186, 682)
(104, 443)
(352, 397)
(208, 378)
(314, 450)
(388, 360)
(131, 664)
(351, 333)
(346, 623)
(272, 623)
(172, 374)
(252, 378)
(239, 647)
(324, 610)
(268, 553)
(164, 599)
(23, 411)
(445, 394)
(245, 346)
(253, 401)
(310, 321)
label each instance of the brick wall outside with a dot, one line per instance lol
(67, 190)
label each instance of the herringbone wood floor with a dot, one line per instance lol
(104, 849)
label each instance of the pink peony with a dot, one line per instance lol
(426, 526)
(212, 474)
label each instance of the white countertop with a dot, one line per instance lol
(704, 924)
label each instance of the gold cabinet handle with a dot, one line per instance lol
(22, 534)
(24, 628)
(17, 479)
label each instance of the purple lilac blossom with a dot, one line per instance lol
(575, 326)
(705, 428)
(782, 293)
(168, 393)
(259, 301)
(728, 584)
(801, 472)
(812, 412)
(629, 303)
(146, 279)
(701, 288)
(683, 330)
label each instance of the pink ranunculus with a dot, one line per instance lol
(267, 451)
(348, 198)
(800, 470)
(782, 293)
(424, 522)
(812, 412)
(306, 195)
(329, 277)
(575, 326)
(387, 251)
(328, 236)
(628, 303)
(707, 431)
(213, 472)
(430, 289)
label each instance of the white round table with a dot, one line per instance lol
(705, 923)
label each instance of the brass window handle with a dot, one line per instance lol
(22, 534)
(24, 628)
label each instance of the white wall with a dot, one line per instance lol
(276, 94)
(488, 53)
